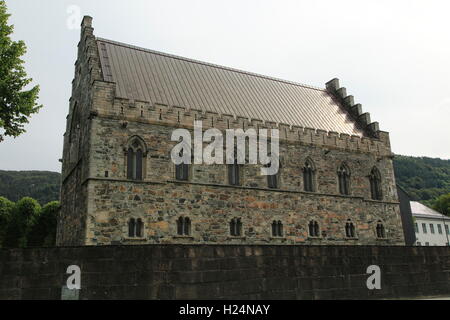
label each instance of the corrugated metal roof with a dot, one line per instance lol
(146, 75)
(419, 209)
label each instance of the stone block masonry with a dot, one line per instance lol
(100, 197)
(226, 272)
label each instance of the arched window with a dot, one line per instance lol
(350, 229)
(139, 228)
(184, 226)
(135, 155)
(375, 184)
(381, 233)
(308, 176)
(182, 170)
(277, 229)
(314, 230)
(233, 173)
(273, 180)
(131, 228)
(135, 228)
(236, 227)
(344, 179)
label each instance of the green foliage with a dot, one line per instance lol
(24, 215)
(40, 185)
(6, 208)
(16, 104)
(26, 224)
(442, 204)
(425, 179)
(43, 232)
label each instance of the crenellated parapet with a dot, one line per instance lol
(355, 110)
(126, 111)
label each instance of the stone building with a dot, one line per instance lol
(336, 184)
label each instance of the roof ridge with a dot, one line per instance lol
(208, 64)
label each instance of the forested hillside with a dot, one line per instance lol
(40, 185)
(423, 178)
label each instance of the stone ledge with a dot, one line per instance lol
(237, 187)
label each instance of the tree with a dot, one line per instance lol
(16, 104)
(442, 204)
(43, 232)
(24, 215)
(6, 207)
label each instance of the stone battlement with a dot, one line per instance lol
(178, 117)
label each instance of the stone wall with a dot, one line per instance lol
(77, 139)
(97, 200)
(226, 272)
(211, 203)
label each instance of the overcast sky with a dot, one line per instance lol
(393, 56)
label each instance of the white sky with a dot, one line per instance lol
(393, 56)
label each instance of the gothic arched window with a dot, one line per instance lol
(184, 226)
(381, 233)
(314, 230)
(277, 229)
(344, 179)
(182, 170)
(273, 180)
(135, 154)
(375, 184)
(131, 228)
(135, 228)
(236, 227)
(233, 173)
(139, 228)
(308, 176)
(350, 229)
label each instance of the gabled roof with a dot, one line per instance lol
(155, 77)
(419, 209)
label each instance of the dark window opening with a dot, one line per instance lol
(131, 228)
(236, 227)
(135, 228)
(344, 180)
(308, 177)
(233, 174)
(277, 229)
(375, 184)
(182, 170)
(272, 181)
(139, 228)
(184, 226)
(350, 230)
(135, 157)
(314, 230)
(381, 231)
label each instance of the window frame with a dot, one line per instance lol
(235, 227)
(184, 226)
(277, 229)
(376, 192)
(135, 159)
(135, 228)
(309, 176)
(343, 175)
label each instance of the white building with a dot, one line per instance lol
(432, 228)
